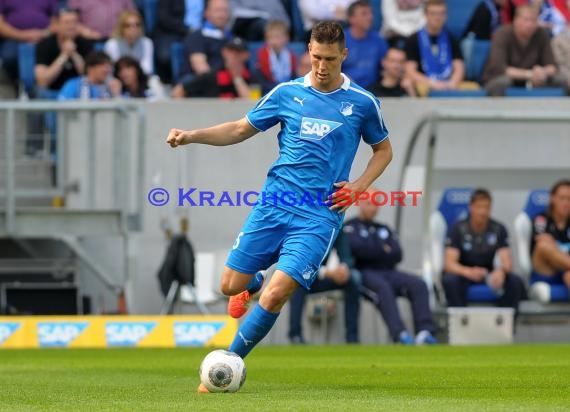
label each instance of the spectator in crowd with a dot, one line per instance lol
(472, 245)
(23, 22)
(377, 252)
(485, 19)
(561, 50)
(174, 20)
(521, 56)
(434, 58)
(401, 19)
(251, 16)
(333, 277)
(135, 83)
(276, 62)
(97, 83)
(99, 17)
(313, 11)
(231, 81)
(393, 81)
(203, 47)
(60, 56)
(129, 40)
(550, 247)
(366, 47)
(304, 65)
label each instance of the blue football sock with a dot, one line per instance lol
(255, 283)
(253, 330)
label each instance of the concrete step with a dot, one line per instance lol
(48, 222)
(29, 172)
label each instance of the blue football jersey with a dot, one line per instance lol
(319, 136)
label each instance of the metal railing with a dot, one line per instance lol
(66, 111)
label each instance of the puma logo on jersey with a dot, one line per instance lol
(300, 101)
(317, 129)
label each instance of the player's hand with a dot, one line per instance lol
(344, 197)
(177, 137)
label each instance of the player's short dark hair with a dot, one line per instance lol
(480, 194)
(328, 32)
(95, 58)
(354, 5)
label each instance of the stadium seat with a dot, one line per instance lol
(540, 290)
(26, 64)
(457, 93)
(149, 14)
(99, 46)
(178, 61)
(538, 92)
(475, 54)
(452, 207)
(459, 13)
(205, 281)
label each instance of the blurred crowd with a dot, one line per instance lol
(240, 48)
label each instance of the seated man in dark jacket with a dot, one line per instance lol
(377, 251)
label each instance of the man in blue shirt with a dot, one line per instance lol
(367, 47)
(322, 117)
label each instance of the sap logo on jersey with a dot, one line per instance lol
(7, 329)
(127, 333)
(59, 334)
(317, 129)
(195, 333)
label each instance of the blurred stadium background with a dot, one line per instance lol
(78, 234)
(87, 225)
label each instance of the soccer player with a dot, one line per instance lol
(322, 116)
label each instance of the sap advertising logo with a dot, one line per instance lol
(317, 129)
(59, 334)
(195, 333)
(7, 329)
(127, 333)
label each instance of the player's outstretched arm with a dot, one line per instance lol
(381, 157)
(223, 134)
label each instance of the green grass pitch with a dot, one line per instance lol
(310, 378)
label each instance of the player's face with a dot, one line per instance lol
(560, 201)
(326, 62)
(480, 212)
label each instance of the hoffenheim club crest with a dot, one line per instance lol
(346, 108)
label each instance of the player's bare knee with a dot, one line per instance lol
(274, 298)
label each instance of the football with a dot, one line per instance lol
(222, 371)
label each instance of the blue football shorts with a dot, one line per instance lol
(298, 244)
